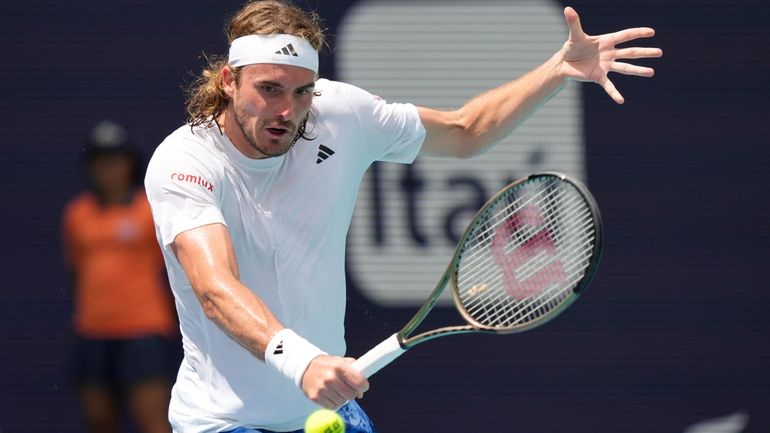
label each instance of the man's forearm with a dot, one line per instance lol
(240, 314)
(495, 114)
(492, 115)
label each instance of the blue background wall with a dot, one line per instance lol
(674, 329)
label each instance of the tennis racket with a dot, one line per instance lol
(525, 257)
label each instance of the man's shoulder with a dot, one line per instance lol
(188, 141)
(331, 90)
(188, 137)
(342, 101)
(187, 150)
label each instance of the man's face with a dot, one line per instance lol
(267, 105)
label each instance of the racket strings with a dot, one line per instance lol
(482, 268)
(515, 312)
(568, 228)
(510, 312)
(504, 214)
(535, 264)
(481, 247)
(533, 268)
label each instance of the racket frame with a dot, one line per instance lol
(450, 276)
(394, 346)
(576, 291)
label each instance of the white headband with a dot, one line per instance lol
(275, 49)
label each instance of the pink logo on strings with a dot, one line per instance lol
(541, 241)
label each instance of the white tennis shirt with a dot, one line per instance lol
(288, 217)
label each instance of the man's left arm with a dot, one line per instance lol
(487, 118)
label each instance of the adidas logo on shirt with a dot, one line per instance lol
(323, 154)
(288, 50)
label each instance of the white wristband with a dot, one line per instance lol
(291, 354)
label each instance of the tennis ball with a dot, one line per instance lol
(324, 421)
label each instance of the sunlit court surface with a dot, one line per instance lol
(669, 258)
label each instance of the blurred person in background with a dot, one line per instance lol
(123, 317)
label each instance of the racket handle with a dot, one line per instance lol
(379, 356)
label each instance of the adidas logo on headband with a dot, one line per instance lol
(288, 50)
(273, 49)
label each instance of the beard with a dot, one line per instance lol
(270, 147)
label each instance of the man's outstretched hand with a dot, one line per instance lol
(591, 58)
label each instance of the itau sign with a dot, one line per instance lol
(440, 54)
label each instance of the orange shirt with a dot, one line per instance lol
(120, 288)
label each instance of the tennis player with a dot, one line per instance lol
(252, 200)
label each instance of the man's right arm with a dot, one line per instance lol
(206, 253)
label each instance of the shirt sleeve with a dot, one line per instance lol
(391, 132)
(183, 189)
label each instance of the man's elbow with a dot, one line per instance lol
(461, 142)
(460, 148)
(210, 308)
(470, 137)
(468, 151)
(210, 300)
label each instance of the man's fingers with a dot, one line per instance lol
(331, 382)
(356, 382)
(628, 69)
(612, 91)
(341, 393)
(631, 34)
(326, 403)
(573, 22)
(638, 53)
(349, 383)
(333, 395)
(354, 378)
(329, 399)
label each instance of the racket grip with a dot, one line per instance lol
(379, 356)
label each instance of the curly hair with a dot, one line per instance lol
(206, 98)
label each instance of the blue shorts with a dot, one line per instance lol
(356, 421)
(122, 363)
